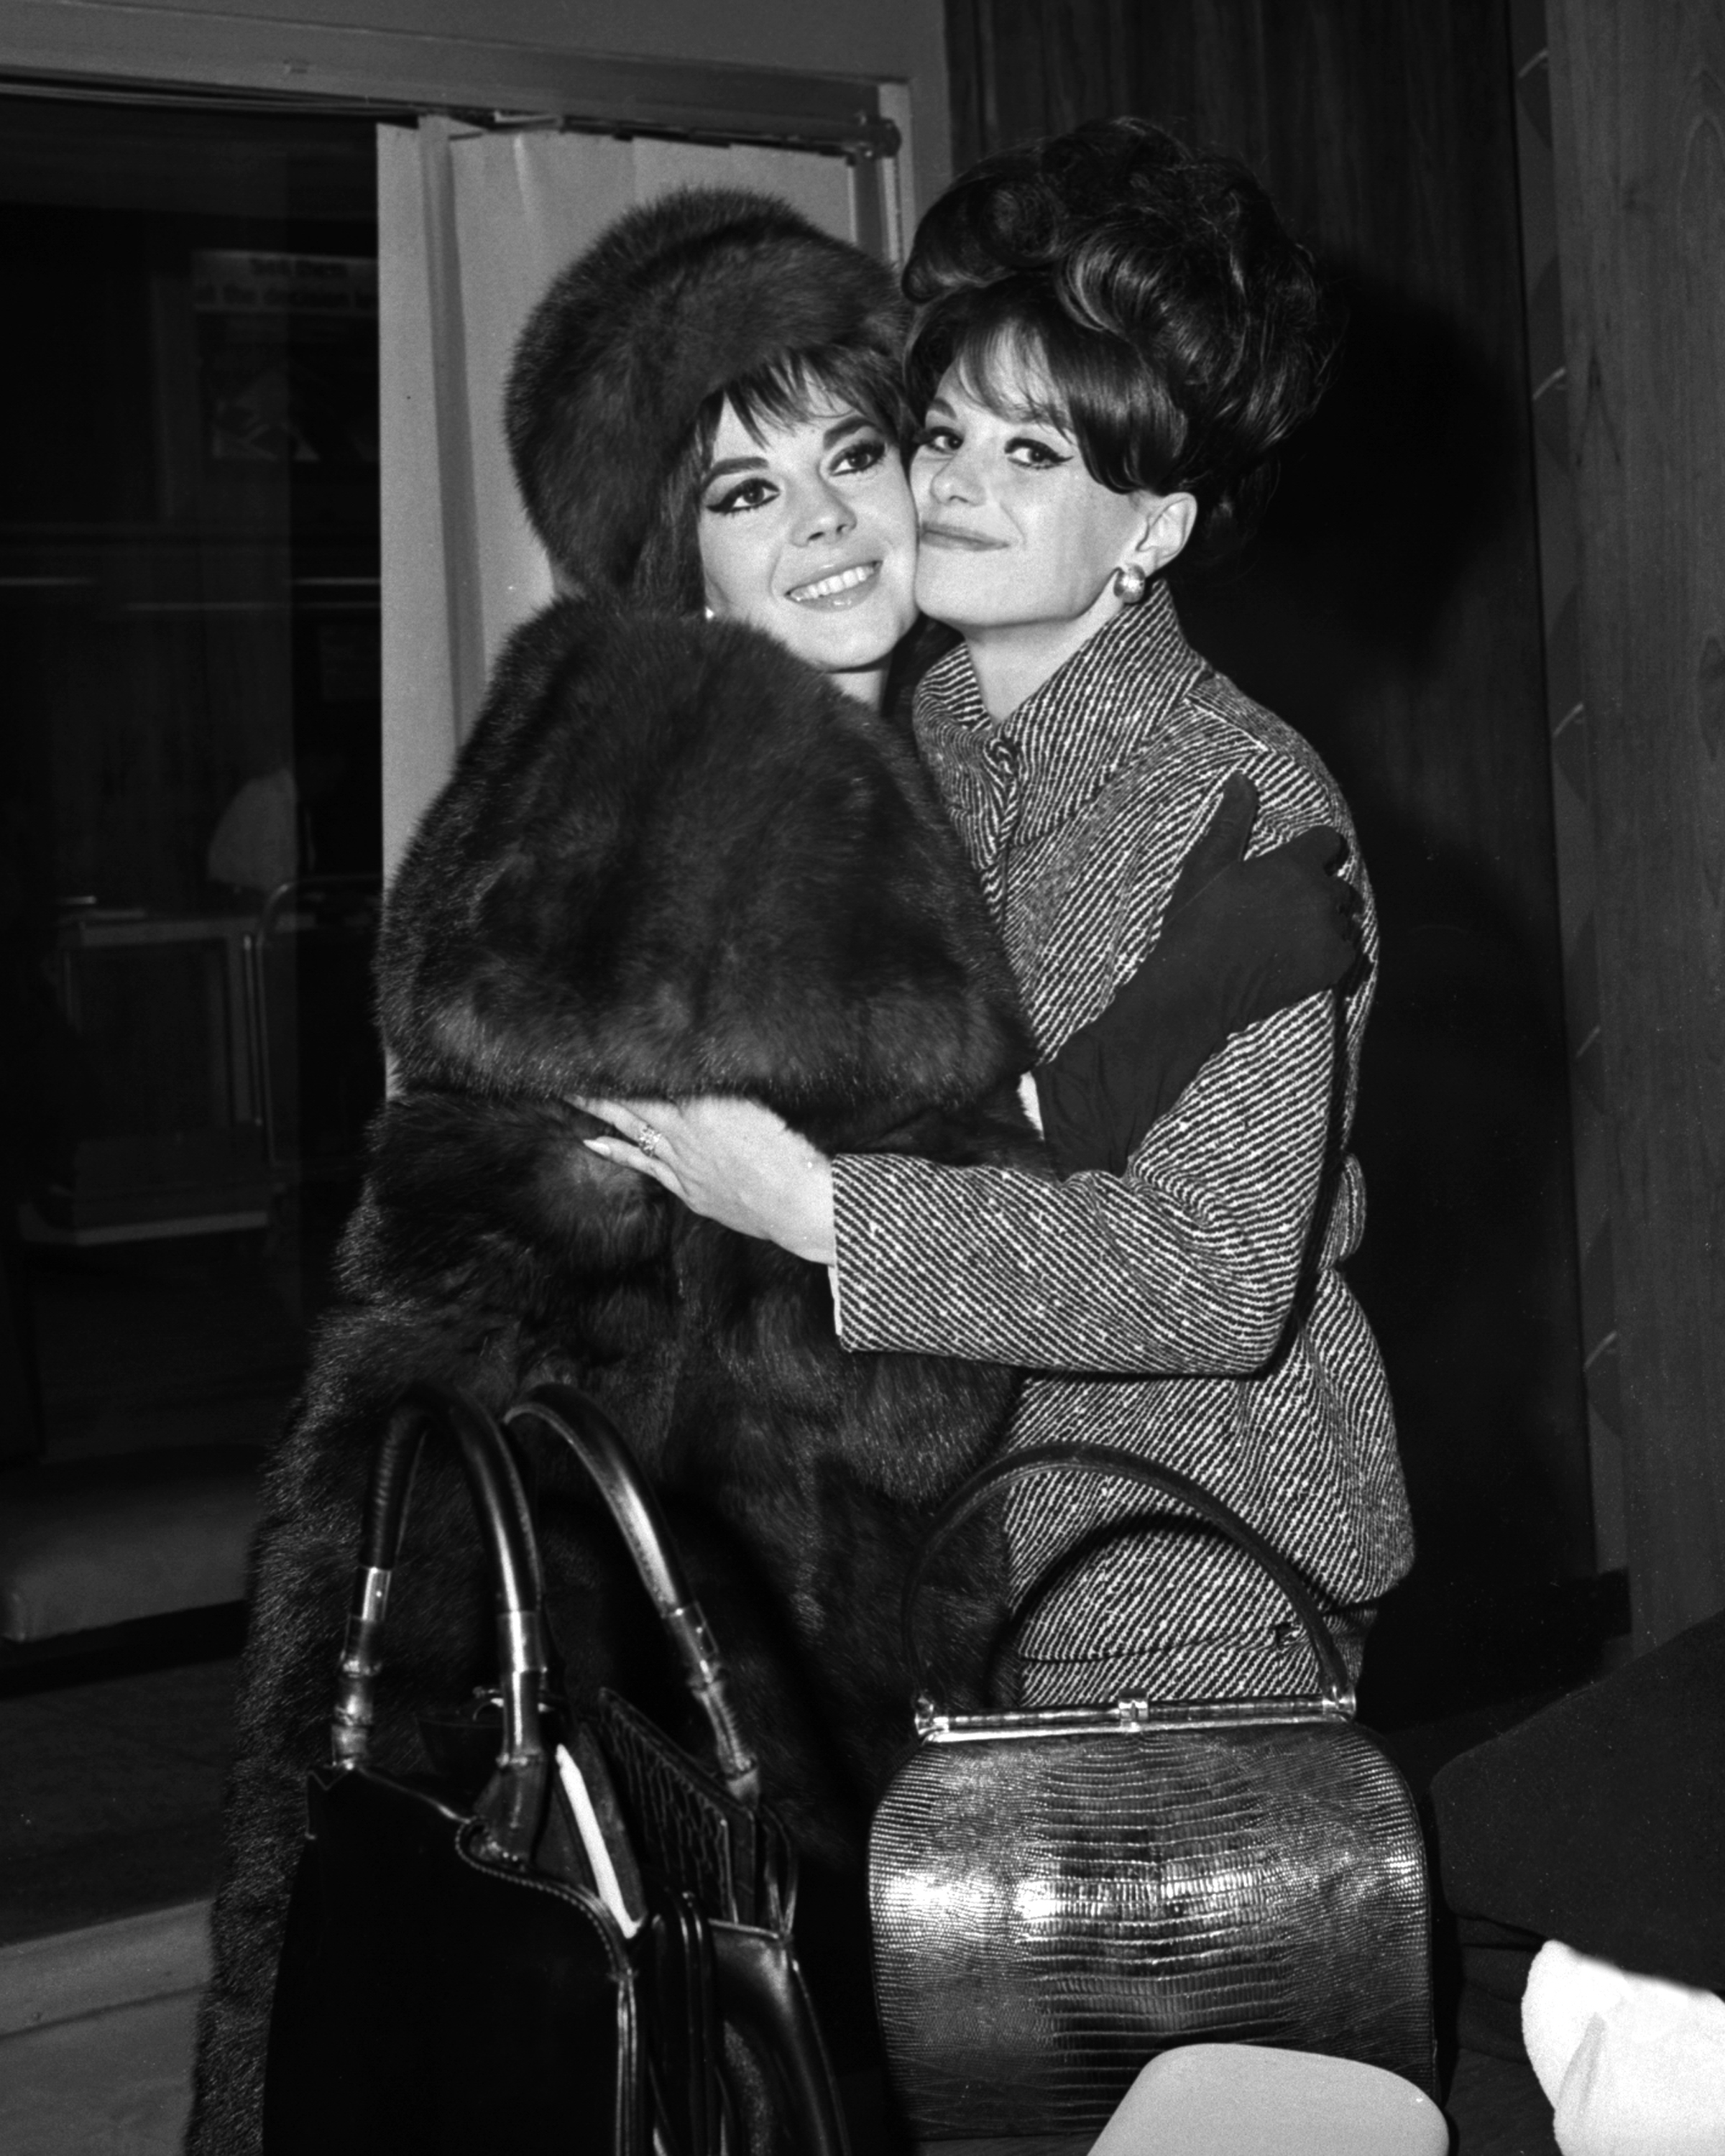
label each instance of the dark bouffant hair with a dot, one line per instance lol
(626, 364)
(1182, 332)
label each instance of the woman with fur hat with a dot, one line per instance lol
(678, 856)
(702, 331)
(1112, 334)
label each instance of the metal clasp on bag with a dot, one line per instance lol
(362, 1661)
(1125, 1718)
(686, 1618)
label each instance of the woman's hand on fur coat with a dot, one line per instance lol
(731, 1160)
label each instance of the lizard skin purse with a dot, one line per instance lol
(1058, 1896)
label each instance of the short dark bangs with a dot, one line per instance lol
(797, 386)
(1094, 385)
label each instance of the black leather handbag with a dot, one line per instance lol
(1058, 1896)
(452, 1980)
(514, 1969)
(704, 1834)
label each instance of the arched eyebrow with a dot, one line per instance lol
(728, 465)
(853, 423)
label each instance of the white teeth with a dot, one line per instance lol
(829, 587)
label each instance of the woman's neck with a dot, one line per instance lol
(1012, 660)
(868, 686)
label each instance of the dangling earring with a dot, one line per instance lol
(709, 614)
(1130, 583)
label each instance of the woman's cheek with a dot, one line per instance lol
(730, 570)
(960, 589)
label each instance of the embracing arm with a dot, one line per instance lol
(1189, 1263)
(1239, 941)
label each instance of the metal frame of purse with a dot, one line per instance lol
(1058, 1896)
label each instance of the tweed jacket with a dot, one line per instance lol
(1194, 1310)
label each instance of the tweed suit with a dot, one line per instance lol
(1193, 1311)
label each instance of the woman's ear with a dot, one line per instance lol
(1169, 519)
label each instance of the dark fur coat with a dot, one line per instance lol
(672, 861)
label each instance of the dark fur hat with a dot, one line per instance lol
(679, 301)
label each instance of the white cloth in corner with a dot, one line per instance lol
(1634, 2066)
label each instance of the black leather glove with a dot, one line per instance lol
(1241, 939)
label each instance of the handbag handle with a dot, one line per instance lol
(597, 1443)
(513, 1804)
(1109, 1460)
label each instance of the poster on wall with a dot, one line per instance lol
(287, 356)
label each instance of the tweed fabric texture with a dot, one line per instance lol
(1194, 1310)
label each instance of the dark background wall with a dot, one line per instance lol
(1638, 109)
(1391, 611)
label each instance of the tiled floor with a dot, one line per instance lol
(95, 2037)
(115, 2082)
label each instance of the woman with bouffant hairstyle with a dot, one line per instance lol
(1183, 334)
(1113, 335)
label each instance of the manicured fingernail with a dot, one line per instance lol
(598, 1146)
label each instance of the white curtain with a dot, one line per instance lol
(473, 225)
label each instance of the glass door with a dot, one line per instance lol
(189, 850)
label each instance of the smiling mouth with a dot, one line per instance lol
(843, 586)
(968, 543)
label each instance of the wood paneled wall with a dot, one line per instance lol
(1391, 612)
(1638, 136)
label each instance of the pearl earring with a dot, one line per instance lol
(1130, 583)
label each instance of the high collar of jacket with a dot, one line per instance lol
(1065, 742)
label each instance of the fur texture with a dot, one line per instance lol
(677, 300)
(672, 860)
